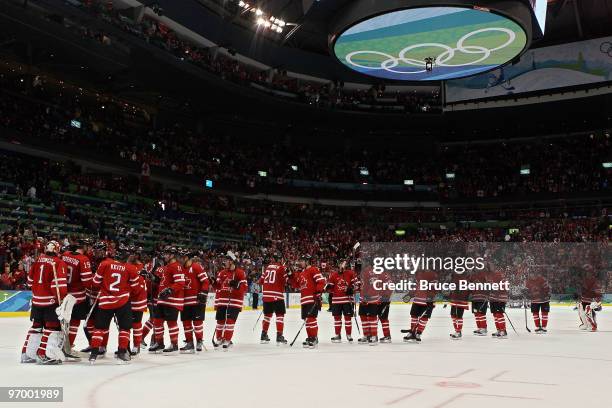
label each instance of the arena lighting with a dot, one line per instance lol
(262, 20)
(525, 170)
(364, 171)
(262, 173)
(450, 176)
(208, 184)
(408, 182)
(294, 167)
(400, 232)
(431, 40)
(607, 165)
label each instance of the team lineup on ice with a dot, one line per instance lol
(114, 289)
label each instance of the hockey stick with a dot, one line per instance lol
(355, 315)
(314, 305)
(257, 321)
(92, 308)
(510, 321)
(526, 321)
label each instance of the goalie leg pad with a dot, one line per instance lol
(55, 345)
(33, 344)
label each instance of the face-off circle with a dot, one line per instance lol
(430, 43)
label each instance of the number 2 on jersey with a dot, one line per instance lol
(113, 286)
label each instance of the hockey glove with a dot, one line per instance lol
(165, 294)
(202, 297)
(234, 283)
(350, 291)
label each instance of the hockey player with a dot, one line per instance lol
(153, 274)
(99, 252)
(459, 304)
(422, 306)
(341, 285)
(79, 277)
(196, 293)
(47, 278)
(311, 283)
(498, 300)
(230, 285)
(480, 303)
(538, 291)
(590, 300)
(369, 305)
(273, 282)
(170, 301)
(384, 306)
(138, 300)
(115, 281)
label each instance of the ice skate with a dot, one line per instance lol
(72, 356)
(44, 360)
(171, 350)
(480, 332)
(280, 340)
(227, 344)
(26, 360)
(385, 340)
(409, 337)
(264, 339)
(188, 348)
(156, 348)
(122, 356)
(336, 339)
(456, 336)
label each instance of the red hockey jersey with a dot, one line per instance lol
(79, 275)
(42, 279)
(339, 282)
(115, 281)
(368, 287)
(424, 294)
(196, 281)
(226, 296)
(538, 289)
(273, 282)
(309, 282)
(498, 295)
(173, 276)
(138, 294)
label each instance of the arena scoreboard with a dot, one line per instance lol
(429, 40)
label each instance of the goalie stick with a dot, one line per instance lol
(63, 311)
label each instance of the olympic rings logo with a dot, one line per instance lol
(442, 59)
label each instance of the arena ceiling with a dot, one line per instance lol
(567, 20)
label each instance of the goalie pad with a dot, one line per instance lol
(64, 311)
(33, 344)
(55, 344)
(590, 318)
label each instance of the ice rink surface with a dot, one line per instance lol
(564, 368)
